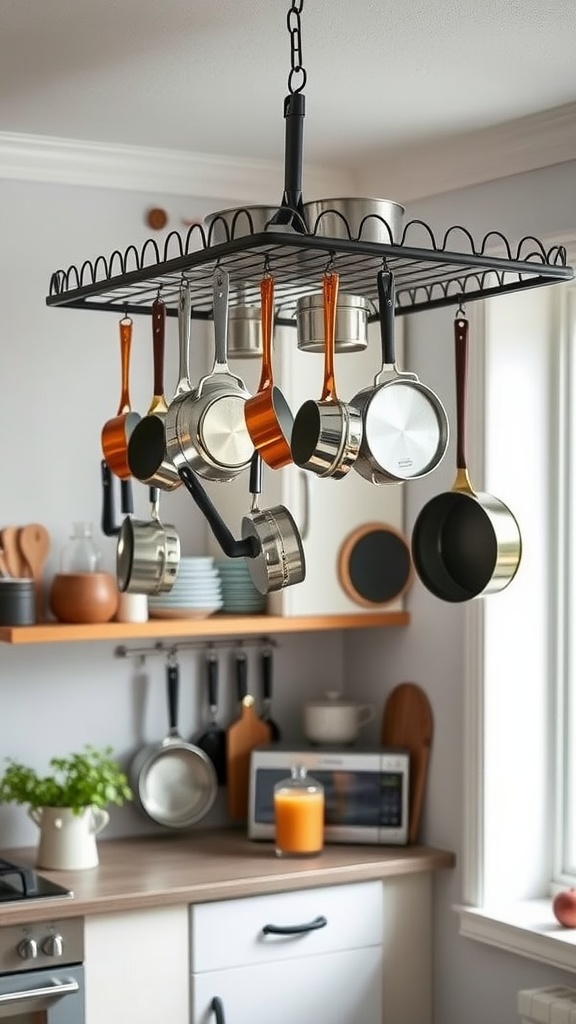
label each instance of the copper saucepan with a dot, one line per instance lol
(116, 432)
(327, 434)
(465, 544)
(268, 416)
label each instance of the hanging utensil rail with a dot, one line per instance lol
(192, 645)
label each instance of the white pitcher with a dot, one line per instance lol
(68, 840)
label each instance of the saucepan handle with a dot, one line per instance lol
(249, 547)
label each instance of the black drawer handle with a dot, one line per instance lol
(294, 929)
(217, 1007)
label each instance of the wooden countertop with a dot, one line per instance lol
(151, 871)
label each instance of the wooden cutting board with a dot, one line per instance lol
(407, 721)
(242, 736)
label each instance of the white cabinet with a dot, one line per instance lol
(330, 974)
(326, 510)
(137, 967)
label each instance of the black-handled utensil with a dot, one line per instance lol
(266, 667)
(213, 740)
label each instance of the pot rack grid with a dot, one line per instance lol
(428, 274)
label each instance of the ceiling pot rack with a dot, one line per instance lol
(427, 274)
(193, 645)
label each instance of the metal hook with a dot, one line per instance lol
(460, 311)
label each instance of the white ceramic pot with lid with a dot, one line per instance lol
(335, 720)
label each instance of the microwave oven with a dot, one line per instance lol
(366, 791)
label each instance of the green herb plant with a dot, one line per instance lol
(91, 778)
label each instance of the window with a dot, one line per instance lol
(521, 785)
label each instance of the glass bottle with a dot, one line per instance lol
(299, 815)
(80, 555)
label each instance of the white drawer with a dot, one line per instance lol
(230, 933)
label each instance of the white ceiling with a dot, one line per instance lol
(210, 76)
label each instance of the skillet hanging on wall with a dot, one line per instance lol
(374, 565)
(465, 544)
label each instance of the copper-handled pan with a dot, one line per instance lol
(116, 431)
(327, 434)
(268, 416)
(143, 440)
(465, 544)
(149, 453)
(405, 424)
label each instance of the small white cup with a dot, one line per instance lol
(335, 720)
(132, 607)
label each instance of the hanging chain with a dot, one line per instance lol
(297, 76)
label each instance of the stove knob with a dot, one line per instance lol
(53, 945)
(28, 949)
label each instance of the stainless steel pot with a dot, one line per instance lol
(326, 434)
(148, 454)
(174, 782)
(225, 225)
(147, 554)
(244, 332)
(405, 425)
(369, 220)
(281, 561)
(351, 334)
(208, 432)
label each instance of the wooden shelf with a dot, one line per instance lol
(215, 625)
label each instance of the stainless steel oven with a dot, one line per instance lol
(41, 962)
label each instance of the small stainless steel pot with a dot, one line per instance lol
(369, 220)
(237, 222)
(147, 554)
(281, 561)
(351, 334)
(244, 332)
(326, 435)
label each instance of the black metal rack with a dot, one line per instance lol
(428, 275)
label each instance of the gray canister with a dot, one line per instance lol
(17, 603)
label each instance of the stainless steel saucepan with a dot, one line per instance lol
(280, 562)
(148, 454)
(326, 434)
(147, 553)
(175, 782)
(405, 426)
(209, 432)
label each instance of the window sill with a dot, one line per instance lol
(528, 928)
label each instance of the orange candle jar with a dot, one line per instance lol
(299, 815)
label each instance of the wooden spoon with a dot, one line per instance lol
(34, 544)
(11, 550)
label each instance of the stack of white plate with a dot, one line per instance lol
(196, 594)
(239, 595)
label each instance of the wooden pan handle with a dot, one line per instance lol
(125, 344)
(158, 338)
(330, 290)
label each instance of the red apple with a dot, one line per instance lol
(564, 907)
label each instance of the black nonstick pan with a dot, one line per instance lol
(213, 740)
(465, 544)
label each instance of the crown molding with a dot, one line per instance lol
(412, 172)
(471, 158)
(139, 169)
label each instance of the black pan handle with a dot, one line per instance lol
(217, 1007)
(241, 675)
(126, 496)
(256, 473)
(295, 929)
(249, 547)
(212, 679)
(291, 209)
(266, 666)
(173, 691)
(461, 363)
(386, 306)
(108, 524)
